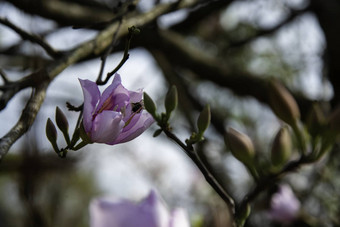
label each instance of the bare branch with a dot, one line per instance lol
(31, 37)
(26, 119)
(64, 13)
(206, 67)
(263, 32)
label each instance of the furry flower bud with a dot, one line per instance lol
(62, 123)
(149, 105)
(171, 100)
(281, 147)
(240, 146)
(282, 103)
(203, 120)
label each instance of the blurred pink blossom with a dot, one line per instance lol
(150, 212)
(284, 205)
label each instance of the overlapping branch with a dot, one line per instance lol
(92, 47)
(180, 53)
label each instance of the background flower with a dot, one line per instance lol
(150, 212)
(284, 205)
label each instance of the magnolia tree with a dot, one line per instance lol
(236, 77)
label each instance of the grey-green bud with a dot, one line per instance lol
(149, 105)
(315, 120)
(240, 146)
(171, 100)
(203, 120)
(281, 147)
(282, 103)
(61, 120)
(51, 131)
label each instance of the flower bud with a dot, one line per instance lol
(171, 100)
(157, 132)
(240, 146)
(281, 147)
(315, 120)
(203, 121)
(133, 30)
(61, 120)
(334, 120)
(51, 131)
(282, 103)
(149, 104)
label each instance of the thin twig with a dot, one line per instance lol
(107, 52)
(132, 30)
(31, 37)
(208, 176)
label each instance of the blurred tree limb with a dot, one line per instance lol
(183, 54)
(95, 46)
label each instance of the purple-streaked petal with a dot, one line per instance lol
(106, 127)
(138, 128)
(114, 95)
(130, 121)
(179, 218)
(91, 98)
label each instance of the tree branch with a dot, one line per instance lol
(205, 67)
(263, 32)
(31, 37)
(95, 46)
(204, 170)
(26, 119)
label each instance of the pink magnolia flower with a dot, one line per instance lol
(150, 212)
(116, 116)
(284, 205)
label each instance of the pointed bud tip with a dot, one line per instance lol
(281, 147)
(51, 131)
(171, 100)
(149, 104)
(61, 120)
(283, 103)
(204, 119)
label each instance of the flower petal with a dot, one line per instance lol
(108, 213)
(113, 95)
(284, 205)
(143, 123)
(136, 96)
(122, 213)
(91, 98)
(106, 127)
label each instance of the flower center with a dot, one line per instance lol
(107, 105)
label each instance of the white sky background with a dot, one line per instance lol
(115, 166)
